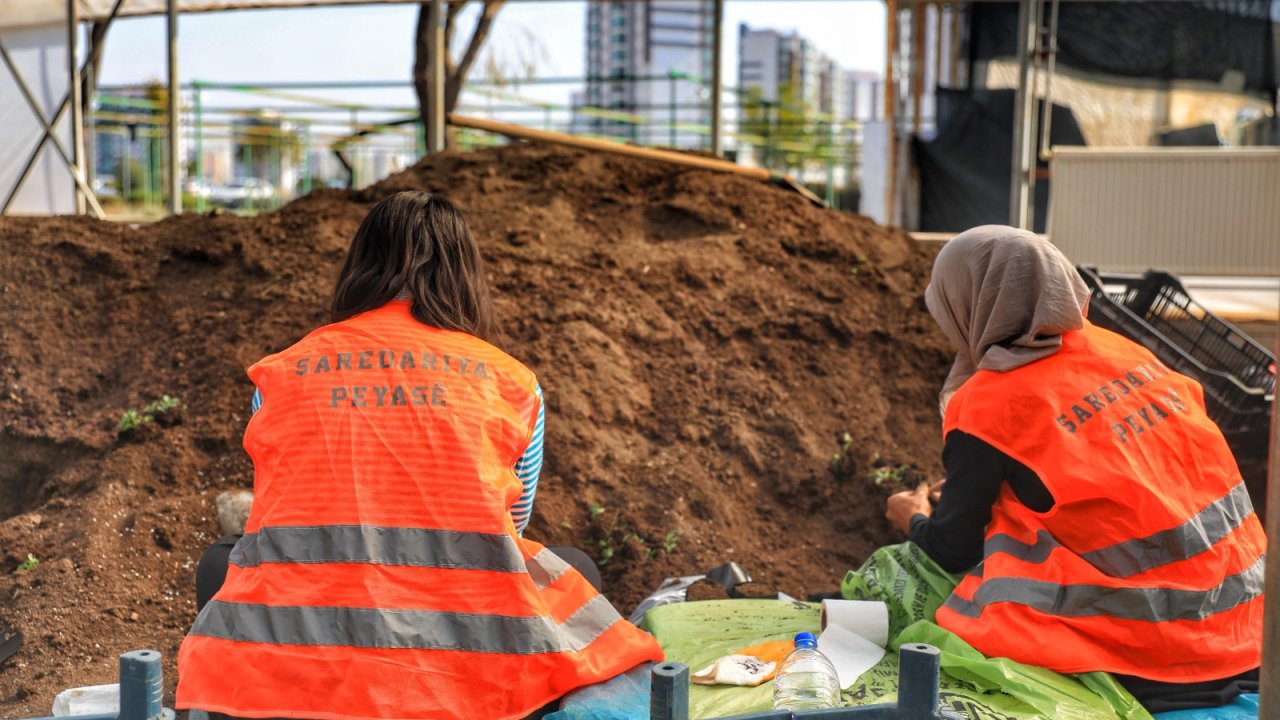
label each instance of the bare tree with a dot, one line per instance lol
(455, 69)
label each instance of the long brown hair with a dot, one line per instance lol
(419, 243)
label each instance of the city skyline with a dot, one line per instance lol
(376, 42)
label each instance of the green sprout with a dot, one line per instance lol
(133, 419)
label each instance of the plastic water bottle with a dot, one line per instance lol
(806, 679)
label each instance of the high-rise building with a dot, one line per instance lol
(648, 68)
(865, 95)
(792, 95)
(779, 68)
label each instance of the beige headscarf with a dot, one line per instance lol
(1003, 297)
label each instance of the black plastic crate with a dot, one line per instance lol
(1155, 310)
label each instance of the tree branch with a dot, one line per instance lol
(421, 57)
(450, 24)
(484, 24)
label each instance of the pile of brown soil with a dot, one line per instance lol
(706, 344)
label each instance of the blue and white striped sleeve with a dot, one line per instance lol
(257, 400)
(527, 469)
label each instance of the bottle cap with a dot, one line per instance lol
(806, 640)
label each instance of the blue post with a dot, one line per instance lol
(141, 685)
(918, 665)
(669, 696)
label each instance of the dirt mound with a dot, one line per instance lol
(706, 344)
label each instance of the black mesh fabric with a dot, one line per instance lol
(1161, 40)
(965, 172)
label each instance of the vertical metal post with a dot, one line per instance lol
(669, 694)
(1269, 702)
(435, 89)
(831, 170)
(198, 120)
(890, 111)
(918, 666)
(146, 168)
(77, 116)
(671, 107)
(919, 43)
(175, 157)
(717, 79)
(1023, 175)
(276, 169)
(937, 48)
(768, 132)
(126, 179)
(141, 685)
(306, 158)
(953, 53)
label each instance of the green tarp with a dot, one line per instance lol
(971, 686)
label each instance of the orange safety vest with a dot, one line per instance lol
(1150, 562)
(380, 574)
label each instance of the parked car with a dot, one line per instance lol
(241, 192)
(105, 189)
(199, 188)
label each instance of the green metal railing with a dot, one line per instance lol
(279, 138)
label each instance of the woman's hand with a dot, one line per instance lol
(907, 504)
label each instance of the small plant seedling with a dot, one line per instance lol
(566, 524)
(29, 564)
(887, 474)
(596, 510)
(132, 419)
(669, 542)
(162, 405)
(842, 464)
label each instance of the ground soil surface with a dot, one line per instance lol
(706, 344)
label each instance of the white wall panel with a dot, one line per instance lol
(1190, 211)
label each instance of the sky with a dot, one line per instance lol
(375, 43)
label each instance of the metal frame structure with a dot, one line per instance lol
(1023, 175)
(74, 159)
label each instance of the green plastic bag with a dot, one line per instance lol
(905, 579)
(914, 587)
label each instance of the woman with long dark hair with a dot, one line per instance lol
(382, 572)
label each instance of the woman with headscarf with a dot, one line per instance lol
(1097, 510)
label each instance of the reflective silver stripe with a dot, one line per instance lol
(1189, 539)
(1150, 604)
(379, 545)
(405, 629)
(545, 568)
(1036, 553)
(1200, 533)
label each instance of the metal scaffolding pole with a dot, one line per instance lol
(77, 119)
(1269, 702)
(435, 90)
(1024, 134)
(717, 80)
(49, 136)
(175, 159)
(890, 111)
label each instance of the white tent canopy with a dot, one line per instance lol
(30, 13)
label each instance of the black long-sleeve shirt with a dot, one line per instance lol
(953, 536)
